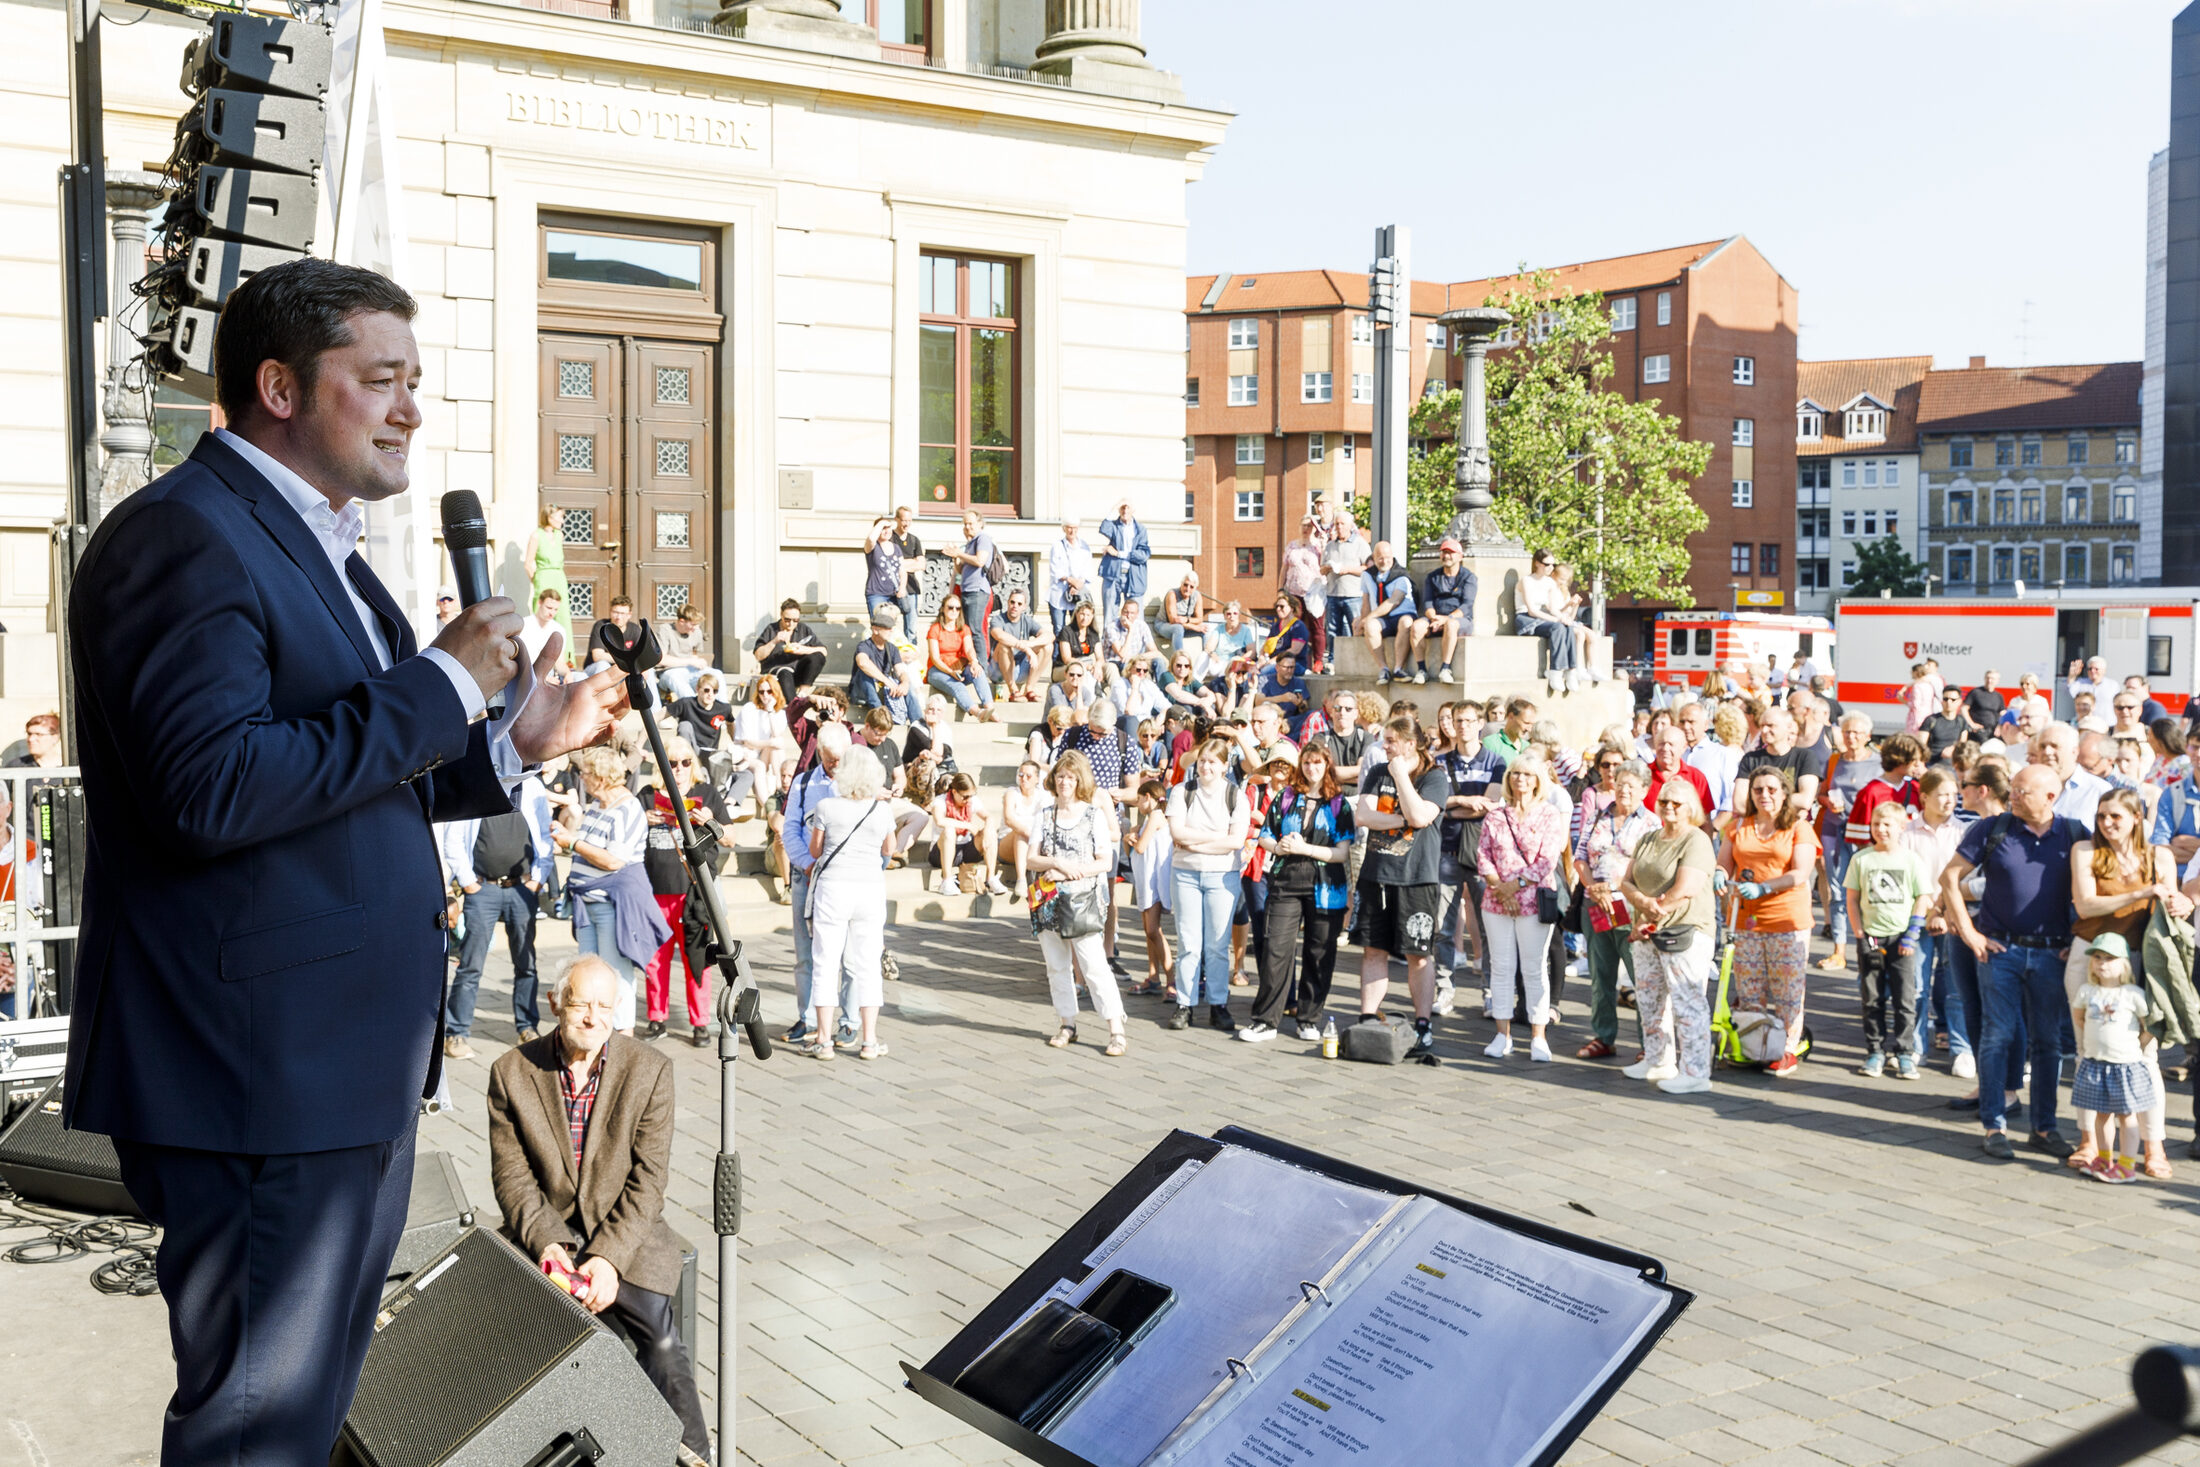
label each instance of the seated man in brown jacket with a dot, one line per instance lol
(580, 1146)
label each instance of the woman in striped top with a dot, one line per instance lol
(610, 887)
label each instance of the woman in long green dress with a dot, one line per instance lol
(546, 561)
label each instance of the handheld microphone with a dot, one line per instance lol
(466, 536)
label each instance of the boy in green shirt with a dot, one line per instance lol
(1887, 899)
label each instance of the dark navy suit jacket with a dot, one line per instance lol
(260, 962)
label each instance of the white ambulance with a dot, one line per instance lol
(1691, 645)
(2142, 630)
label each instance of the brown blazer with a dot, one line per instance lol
(615, 1206)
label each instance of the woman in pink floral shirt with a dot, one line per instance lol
(1523, 841)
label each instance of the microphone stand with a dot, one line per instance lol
(739, 1005)
(2165, 1382)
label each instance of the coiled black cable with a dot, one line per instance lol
(63, 1237)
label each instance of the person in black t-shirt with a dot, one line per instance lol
(790, 651)
(1805, 766)
(1401, 804)
(1946, 728)
(668, 880)
(614, 633)
(1982, 706)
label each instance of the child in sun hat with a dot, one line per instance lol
(2113, 1080)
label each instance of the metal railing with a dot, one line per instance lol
(24, 934)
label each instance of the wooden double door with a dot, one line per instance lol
(627, 451)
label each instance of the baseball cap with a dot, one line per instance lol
(2110, 945)
(1449, 544)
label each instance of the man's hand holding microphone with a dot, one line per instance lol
(484, 638)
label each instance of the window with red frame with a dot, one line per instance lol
(968, 377)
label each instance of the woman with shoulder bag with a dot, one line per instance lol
(1523, 842)
(1771, 855)
(1668, 890)
(1072, 853)
(2115, 880)
(1608, 842)
(851, 838)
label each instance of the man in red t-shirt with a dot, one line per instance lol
(1668, 760)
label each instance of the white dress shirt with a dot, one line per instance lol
(338, 536)
(1070, 561)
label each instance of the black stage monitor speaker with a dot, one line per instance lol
(480, 1361)
(45, 1163)
(434, 1217)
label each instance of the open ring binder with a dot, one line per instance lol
(1434, 1312)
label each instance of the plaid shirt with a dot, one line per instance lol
(580, 1102)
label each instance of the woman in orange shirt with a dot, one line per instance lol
(951, 663)
(1770, 853)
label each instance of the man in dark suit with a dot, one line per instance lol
(580, 1148)
(259, 980)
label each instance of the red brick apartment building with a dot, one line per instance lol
(1279, 400)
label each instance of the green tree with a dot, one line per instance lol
(1883, 565)
(1563, 445)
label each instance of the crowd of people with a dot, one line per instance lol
(2011, 890)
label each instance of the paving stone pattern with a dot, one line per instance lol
(1871, 1289)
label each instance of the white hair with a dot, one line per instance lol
(859, 775)
(585, 963)
(832, 740)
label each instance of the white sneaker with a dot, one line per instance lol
(1575, 967)
(1686, 1085)
(1964, 1067)
(1446, 997)
(1539, 1050)
(1555, 681)
(1420, 675)
(1443, 674)
(1499, 1047)
(1256, 1033)
(1574, 681)
(1642, 1069)
(1309, 1031)
(996, 887)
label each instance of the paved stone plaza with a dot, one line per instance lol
(1870, 1288)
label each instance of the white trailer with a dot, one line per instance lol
(2141, 630)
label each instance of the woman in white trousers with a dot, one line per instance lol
(1073, 844)
(1668, 890)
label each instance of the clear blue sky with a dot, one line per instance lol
(1918, 169)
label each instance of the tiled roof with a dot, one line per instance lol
(1303, 290)
(2012, 399)
(1896, 381)
(1621, 272)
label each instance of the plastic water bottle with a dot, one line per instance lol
(1329, 1037)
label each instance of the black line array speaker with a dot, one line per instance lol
(45, 1163)
(480, 1361)
(434, 1217)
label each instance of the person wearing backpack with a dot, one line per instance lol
(980, 568)
(1307, 834)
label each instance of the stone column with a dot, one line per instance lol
(127, 403)
(802, 25)
(1498, 561)
(1093, 45)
